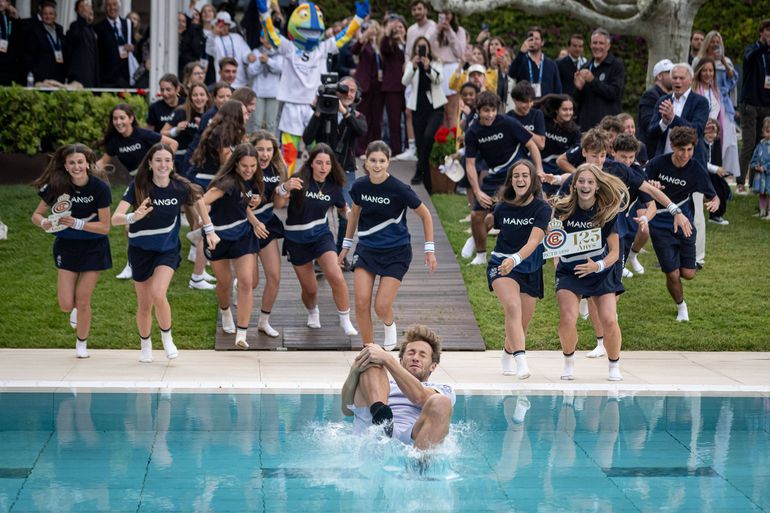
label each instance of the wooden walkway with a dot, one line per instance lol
(439, 300)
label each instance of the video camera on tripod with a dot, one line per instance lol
(328, 101)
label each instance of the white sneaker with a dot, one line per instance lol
(522, 369)
(507, 363)
(126, 273)
(314, 319)
(74, 319)
(206, 276)
(228, 325)
(407, 155)
(170, 349)
(614, 374)
(192, 254)
(479, 259)
(267, 329)
(568, 373)
(627, 273)
(391, 337)
(468, 248)
(583, 308)
(145, 355)
(682, 315)
(466, 219)
(597, 352)
(81, 349)
(200, 285)
(242, 344)
(637, 267)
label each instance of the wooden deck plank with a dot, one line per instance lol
(439, 300)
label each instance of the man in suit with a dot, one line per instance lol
(680, 108)
(45, 45)
(661, 73)
(571, 63)
(114, 37)
(81, 52)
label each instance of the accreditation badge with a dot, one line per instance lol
(557, 242)
(767, 81)
(59, 56)
(3, 46)
(123, 52)
(59, 209)
(538, 91)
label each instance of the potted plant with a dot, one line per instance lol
(444, 144)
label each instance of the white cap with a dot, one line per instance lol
(225, 16)
(662, 67)
(453, 169)
(476, 68)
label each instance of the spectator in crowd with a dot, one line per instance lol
(228, 71)
(599, 83)
(138, 32)
(9, 45)
(162, 111)
(475, 57)
(696, 42)
(421, 27)
(369, 74)
(724, 79)
(760, 163)
(427, 100)
(192, 74)
(45, 46)
(447, 42)
(571, 63)
(81, 53)
(265, 76)
(661, 73)
(533, 66)
(206, 16)
(114, 35)
(192, 46)
(229, 44)
(393, 47)
(500, 60)
(716, 171)
(629, 128)
(755, 98)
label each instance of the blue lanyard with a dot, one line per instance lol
(764, 62)
(531, 77)
(7, 26)
(591, 66)
(232, 46)
(379, 63)
(56, 46)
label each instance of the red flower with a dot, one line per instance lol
(441, 135)
(121, 94)
(454, 131)
(142, 92)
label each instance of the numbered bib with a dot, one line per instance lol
(557, 242)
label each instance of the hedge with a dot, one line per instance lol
(32, 121)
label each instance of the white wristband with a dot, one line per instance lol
(208, 228)
(43, 219)
(430, 246)
(516, 259)
(643, 219)
(79, 224)
(347, 243)
(600, 263)
(672, 208)
(173, 132)
(282, 191)
(130, 218)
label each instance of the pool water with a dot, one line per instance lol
(152, 452)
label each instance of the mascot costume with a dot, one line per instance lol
(305, 57)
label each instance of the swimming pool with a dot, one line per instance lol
(147, 452)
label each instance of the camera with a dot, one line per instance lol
(328, 101)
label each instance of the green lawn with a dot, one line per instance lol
(30, 315)
(728, 301)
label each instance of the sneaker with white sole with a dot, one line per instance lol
(406, 155)
(74, 319)
(200, 285)
(682, 314)
(507, 363)
(468, 248)
(522, 369)
(597, 352)
(206, 276)
(228, 325)
(314, 319)
(719, 220)
(583, 308)
(126, 273)
(614, 372)
(242, 344)
(479, 259)
(81, 349)
(627, 273)
(170, 349)
(466, 219)
(568, 373)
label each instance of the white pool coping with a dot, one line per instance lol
(270, 372)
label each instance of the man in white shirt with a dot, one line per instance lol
(409, 408)
(227, 44)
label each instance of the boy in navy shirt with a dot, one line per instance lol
(523, 96)
(500, 141)
(682, 176)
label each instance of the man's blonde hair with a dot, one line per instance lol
(422, 333)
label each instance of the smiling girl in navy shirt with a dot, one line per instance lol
(384, 247)
(595, 198)
(82, 250)
(515, 269)
(309, 238)
(156, 197)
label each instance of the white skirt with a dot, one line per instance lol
(730, 161)
(295, 117)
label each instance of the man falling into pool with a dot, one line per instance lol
(408, 407)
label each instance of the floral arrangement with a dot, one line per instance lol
(444, 143)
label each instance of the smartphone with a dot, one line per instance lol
(500, 52)
(441, 17)
(485, 26)
(422, 51)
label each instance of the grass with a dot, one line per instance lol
(30, 315)
(728, 300)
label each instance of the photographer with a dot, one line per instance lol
(338, 124)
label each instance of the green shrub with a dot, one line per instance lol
(33, 121)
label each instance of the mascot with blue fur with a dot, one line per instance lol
(305, 57)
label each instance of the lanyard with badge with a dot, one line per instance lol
(232, 46)
(767, 77)
(56, 47)
(536, 85)
(6, 34)
(121, 41)
(379, 66)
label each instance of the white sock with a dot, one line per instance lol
(347, 326)
(632, 255)
(145, 355)
(168, 344)
(81, 348)
(522, 369)
(412, 145)
(599, 341)
(682, 314)
(507, 361)
(228, 325)
(263, 324)
(196, 277)
(313, 317)
(240, 337)
(569, 367)
(391, 336)
(614, 374)
(74, 318)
